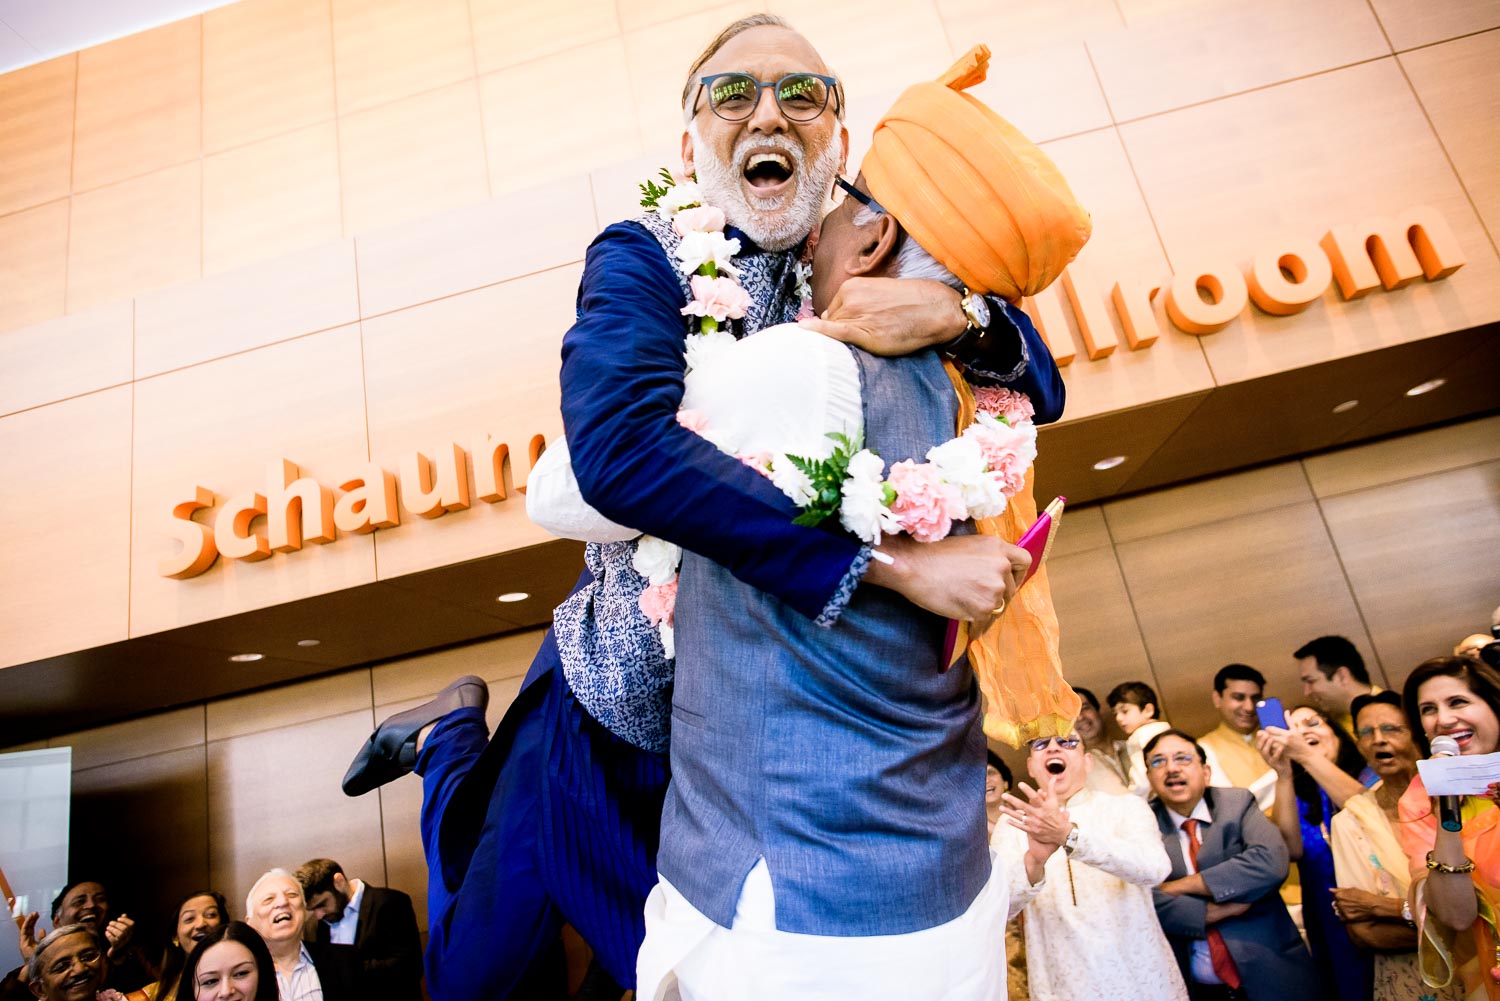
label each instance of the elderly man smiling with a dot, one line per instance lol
(70, 964)
(556, 818)
(305, 971)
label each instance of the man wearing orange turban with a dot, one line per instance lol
(981, 200)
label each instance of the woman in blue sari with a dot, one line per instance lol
(1316, 765)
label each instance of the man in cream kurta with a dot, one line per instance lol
(1091, 926)
(1237, 689)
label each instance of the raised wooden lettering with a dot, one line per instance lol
(1132, 301)
(1225, 287)
(1093, 319)
(368, 503)
(1278, 294)
(232, 532)
(298, 509)
(431, 489)
(198, 551)
(1392, 252)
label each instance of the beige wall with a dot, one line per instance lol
(1386, 543)
(341, 231)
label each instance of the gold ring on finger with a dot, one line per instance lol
(999, 608)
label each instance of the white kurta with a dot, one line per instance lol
(1109, 944)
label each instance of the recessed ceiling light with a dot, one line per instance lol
(1346, 406)
(246, 658)
(308, 642)
(510, 596)
(1110, 463)
(1425, 387)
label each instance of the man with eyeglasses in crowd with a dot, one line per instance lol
(556, 817)
(1220, 909)
(1081, 864)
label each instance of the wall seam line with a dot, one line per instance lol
(1338, 557)
(1135, 616)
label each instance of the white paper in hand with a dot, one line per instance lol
(1469, 775)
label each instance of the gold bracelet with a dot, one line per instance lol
(1435, 866)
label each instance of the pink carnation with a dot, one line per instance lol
(693, 420)
(758, 461)
(703, 219)
(925, 505)
(1000, 402)
(719, 298)
(658, 602)
(805, 311)
(1008, 453)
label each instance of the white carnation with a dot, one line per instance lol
(697, 249)
(863, 509)
(682, 195)
(656, 560)
(668, 639)
(700, 348)
(791, 481)
(961, 462)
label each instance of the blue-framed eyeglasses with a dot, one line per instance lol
(1042, 743)
(801, 97)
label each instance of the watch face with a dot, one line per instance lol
(978, 311)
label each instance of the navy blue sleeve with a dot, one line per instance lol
(622, 371)
(1012, 354)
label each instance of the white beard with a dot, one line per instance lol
(773, 223)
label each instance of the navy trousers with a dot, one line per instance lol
(553, 819)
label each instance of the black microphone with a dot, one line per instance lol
(1448, 807)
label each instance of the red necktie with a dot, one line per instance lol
(1224, 967)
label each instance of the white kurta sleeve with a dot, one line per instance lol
(1009, 846)
(1119, 835)
(554, 502)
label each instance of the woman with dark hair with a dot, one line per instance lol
(1316, 763)
(231, 963)
(1456, 873)
(199, 913)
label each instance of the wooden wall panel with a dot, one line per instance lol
(384, 51)
(1263, 585)
(33, 264)
(1101, 643)
(136, 235)
(142, 825)
(1021, 21)
(1411, 23)
(1405, 457)
(1211, 50)
(220, 425)
(474, 246)
(409, 159)
(1164, 511)
(139, 104)
(1124, 247)
(1457, 83)
(136, 738)
(64, 568)
(1292, 161)
(36, 145)
(274, 800)
(414, 679)
(1419, 555)
(495, 373)
(617, 194)
(267, 69)
(525, 147)
(507, 32)
(98, 347)
(271, 198)
(288, 705)
(1046, 91)
(258, 305)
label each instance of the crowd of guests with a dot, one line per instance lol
(1271, 859)
(1258, 861)
(310, 935)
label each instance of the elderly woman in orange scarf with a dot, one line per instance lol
(1456, 874)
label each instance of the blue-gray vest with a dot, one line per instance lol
(844, 756)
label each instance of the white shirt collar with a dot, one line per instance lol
(356, 897)
(1200, 813)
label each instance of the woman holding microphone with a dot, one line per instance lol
(1455, 874)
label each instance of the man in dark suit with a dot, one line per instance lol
(379, 922)
(1220, 909)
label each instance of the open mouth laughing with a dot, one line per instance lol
(1055, 766)
(1463, 736)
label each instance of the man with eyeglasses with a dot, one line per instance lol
(1220, 908)
(71, 964)
(1081, 865)
(556, 818)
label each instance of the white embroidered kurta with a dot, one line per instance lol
(1109, 944)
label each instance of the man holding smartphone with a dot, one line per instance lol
(1238, 690)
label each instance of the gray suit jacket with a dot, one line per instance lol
(1242, 859)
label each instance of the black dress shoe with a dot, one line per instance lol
(391, 751)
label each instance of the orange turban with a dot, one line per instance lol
(971, 189)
